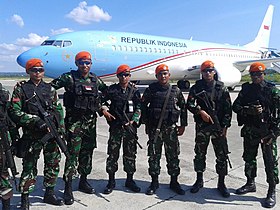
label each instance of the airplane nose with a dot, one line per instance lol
(23, 58)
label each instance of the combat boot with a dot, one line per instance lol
(175, 186)
(270, 199)
(25, 201)
(68, 193)
(111, 184)
(84, 186)
(6, 204)
(51, 198)
(130, 184)
(154, 185)
(222, 187)
(250, 186)
(198, 183)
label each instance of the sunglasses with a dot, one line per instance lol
(163, 73)
(208, 70)
(258, 74)
(81, 63)
(123, 75)
(36, 69)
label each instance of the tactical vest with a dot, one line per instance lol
(214, 94)
(4, 97)
(44, 89)
(255, 93)
(158, 95)
(84, 95)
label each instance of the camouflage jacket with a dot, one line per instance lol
(267, 95)
(178, 101)
(118, 98)
(26, 120)
(218, 96)
(66, 81)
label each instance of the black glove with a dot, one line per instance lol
(41, 125)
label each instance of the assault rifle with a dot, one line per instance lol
(128, 127)
(266, 137)
(10, 162)
(216, 126)
(53, 133)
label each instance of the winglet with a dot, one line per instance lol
(262, 39)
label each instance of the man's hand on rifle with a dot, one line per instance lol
(42, 126)
(253, 109)
(109, 117)
(129, 123)
(268, 138)
(180, 130)
(206, 117)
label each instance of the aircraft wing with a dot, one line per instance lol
(268, 62)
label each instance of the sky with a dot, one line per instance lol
(27, 23)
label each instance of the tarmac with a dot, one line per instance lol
(121, 198)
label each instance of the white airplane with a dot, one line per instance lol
(144, 52)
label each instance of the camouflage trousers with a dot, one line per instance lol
(251, 144)
(202, 141)
(29, 173)
(167, 137)
(118, 136)
(81, 141)
(6, 189)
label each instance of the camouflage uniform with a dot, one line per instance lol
(5, 186)
(218, 94)
(80, 121)
(27, 116)
(152, 103)
(119, 99)
(269, 98)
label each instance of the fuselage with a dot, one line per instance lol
(141, 52)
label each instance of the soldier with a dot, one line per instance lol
(162, 105)
(26, 114)
(258, 108)
(218, 97)
(5, 186)
(81, 101)
(123, 118)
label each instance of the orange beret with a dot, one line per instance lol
(207, 65)
(257, 66)
(83, 55)
(161, 67)
(123, 68)
(33, 62)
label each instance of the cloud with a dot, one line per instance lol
(32, 40)
(60, 31)
(84, 14)
(18, 20)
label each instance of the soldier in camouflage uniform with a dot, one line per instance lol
(26, 115)
(152, 106)
(5, 186)
(258, 108)
(81, 101)
(220, 100)
(125, 98)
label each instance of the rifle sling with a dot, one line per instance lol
(164, 108)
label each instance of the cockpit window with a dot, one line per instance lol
(67, 43)
(57, 43)
(48, 42)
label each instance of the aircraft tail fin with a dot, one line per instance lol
(261, 41)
